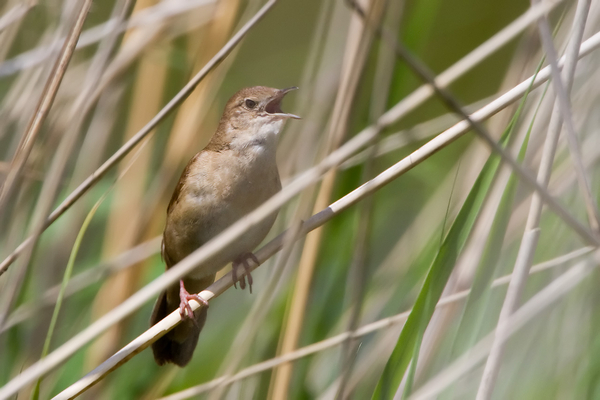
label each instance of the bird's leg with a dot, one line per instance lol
(185, 309)
(243, 260)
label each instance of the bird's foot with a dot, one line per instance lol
(243, 261)
(185, 309)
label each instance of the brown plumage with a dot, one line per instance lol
(234, 174)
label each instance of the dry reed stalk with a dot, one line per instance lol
(358, 275)
(379, 325)
(125, 219)
(562, 90)
(538, 303)
(357, 48)
(24, 150)
(44, 105)
(532, 230)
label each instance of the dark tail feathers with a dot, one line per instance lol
(178, 345)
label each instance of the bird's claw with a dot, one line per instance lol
(185, 309)
(243, 261)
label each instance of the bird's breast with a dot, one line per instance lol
(220, 189)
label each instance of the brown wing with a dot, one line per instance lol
(174, 200)
(164, 255)
(180, 183)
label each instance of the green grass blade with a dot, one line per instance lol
(436, 280)
(65, 281)
(486, 271)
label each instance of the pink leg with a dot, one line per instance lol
(243, 261)
(185, 309)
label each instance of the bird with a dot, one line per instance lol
(234, 174)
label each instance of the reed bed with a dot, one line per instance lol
(438, 229)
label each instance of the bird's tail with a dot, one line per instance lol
(177, 346)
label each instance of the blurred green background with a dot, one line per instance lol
(370, 261)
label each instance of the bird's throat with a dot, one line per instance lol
(260, 136)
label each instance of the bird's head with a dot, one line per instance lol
(253, 116)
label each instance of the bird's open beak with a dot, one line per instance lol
(273, 107)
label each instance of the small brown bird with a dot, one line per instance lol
(234, 174)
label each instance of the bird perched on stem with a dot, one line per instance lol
(234, 174)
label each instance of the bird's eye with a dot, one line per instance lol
(250, 103)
